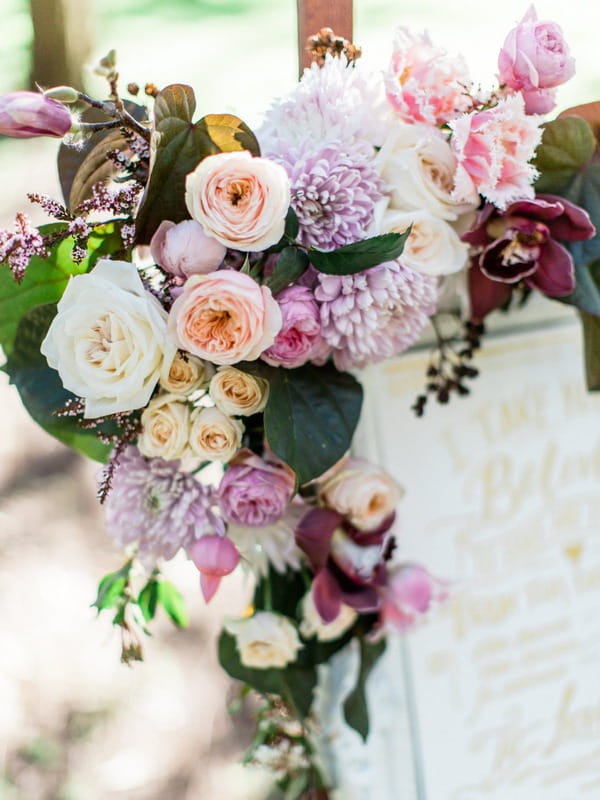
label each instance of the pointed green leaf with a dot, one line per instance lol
(359, 256)
(591, 340)
(311, 416)
(110, 588)
(148, 599)
(46, 279)
(356, 712)
(171, 599)
(180, 146)
(292, 263)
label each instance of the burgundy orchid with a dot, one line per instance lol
(348, 564)
(522, 245)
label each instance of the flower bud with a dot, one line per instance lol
(214, 556)
(184, 249)
(63, 94)
(24, 115)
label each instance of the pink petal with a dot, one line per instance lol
(209, 585)
(555, 275)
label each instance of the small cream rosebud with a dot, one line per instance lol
(64, 94)
(166, 427)
(265, 639)
(237, 393)
(185, 374)
(215, 436)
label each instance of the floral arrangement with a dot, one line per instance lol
(195, 314)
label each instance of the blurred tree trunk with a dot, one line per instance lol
(61, 41)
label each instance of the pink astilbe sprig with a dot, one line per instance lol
(18, 247)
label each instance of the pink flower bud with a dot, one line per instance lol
(409, 592)
(27, 114)
(535, 56)
(184, 249)
(299, 339)
(539, 101)
(214, 556)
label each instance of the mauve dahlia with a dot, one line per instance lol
(334, 191)
(155, 505)
(374, 314)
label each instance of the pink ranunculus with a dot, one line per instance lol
(215, 556)
(493, 150)
(409, 592)
(239, 200)
(27, 114)
(535, 55)
(184, 249)
(255, 492)
(224, 317)
(299, 339)
(424, 83)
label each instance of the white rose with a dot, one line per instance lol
(265, 639)
(362, 492)
(433, 247)
(237, 393)
(313, 625)
(185, 374)
(239, 200)
(215, 436)
(419, 166)
(109, 339)
(166, 428)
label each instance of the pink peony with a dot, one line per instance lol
(299, 339)
(224, 317)
(493, 149)
(27, 114)
(424, 83)
(239, 200)
(255, 492)
(184, 249)
(535, 56)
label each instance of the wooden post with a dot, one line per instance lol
(61, 41)
(316, 14)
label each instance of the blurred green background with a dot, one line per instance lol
(74, 723)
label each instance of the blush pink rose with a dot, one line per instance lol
(299, 339)
(424, 83)
(493, 150)
(535, 55)
(224, 317)
(239, 200)
(184, 249)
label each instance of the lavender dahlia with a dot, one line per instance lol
(374, 314)
(154, 504)
(334, 191)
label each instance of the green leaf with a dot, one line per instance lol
(291, 265)
(148, 599)
(41, 389)
(591, 341)
(296, 787)
(567, 145)
(171, 599)
(299, 682)
(292, 226)
(46, 279)
(311, 416)
(181, 146)
(356, 712)
(361, 255)
(110, 588)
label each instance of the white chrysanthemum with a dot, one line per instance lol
(269, 545)
(330, 102)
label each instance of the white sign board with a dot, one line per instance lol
(502, 683)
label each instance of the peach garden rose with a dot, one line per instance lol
(239, 200)
(224, 317)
